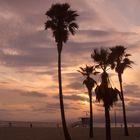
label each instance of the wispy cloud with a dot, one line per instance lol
(34, 94)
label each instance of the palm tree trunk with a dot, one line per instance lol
(107, 124)
(123, 106)
(106, 105)
(91, 116)
(66, 133)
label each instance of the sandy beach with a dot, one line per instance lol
(20, 133)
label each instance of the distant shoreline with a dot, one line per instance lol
(56, 124)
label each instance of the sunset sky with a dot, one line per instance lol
(28, 58)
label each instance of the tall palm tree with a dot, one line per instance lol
(120, 63)
(89, 83)
(61, 20)
(104, 92)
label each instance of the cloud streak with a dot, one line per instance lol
(34, 94)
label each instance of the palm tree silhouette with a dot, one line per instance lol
(104, 92)
(120, 62)
(89, 83)
(61, 20)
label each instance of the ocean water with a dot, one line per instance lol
(55, 125)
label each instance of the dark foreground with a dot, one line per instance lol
(18, 133)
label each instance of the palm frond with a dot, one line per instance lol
(127, 61)
(96, 55)
(118, 50)
(83, 69)
(96, 72)
(97, 66)
(72, 27)
(81, 72)
(126, 55)
(50, 25)
(108, 95)
(71, 16)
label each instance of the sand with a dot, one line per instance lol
(18, 133)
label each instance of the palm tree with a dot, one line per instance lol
(104, 92)
(61, 20)
(120, 63)
(89, 83)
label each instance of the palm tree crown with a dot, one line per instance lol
(101, 58)
(61, 21)
(104, 91)
(87, 71)
(120, 60)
